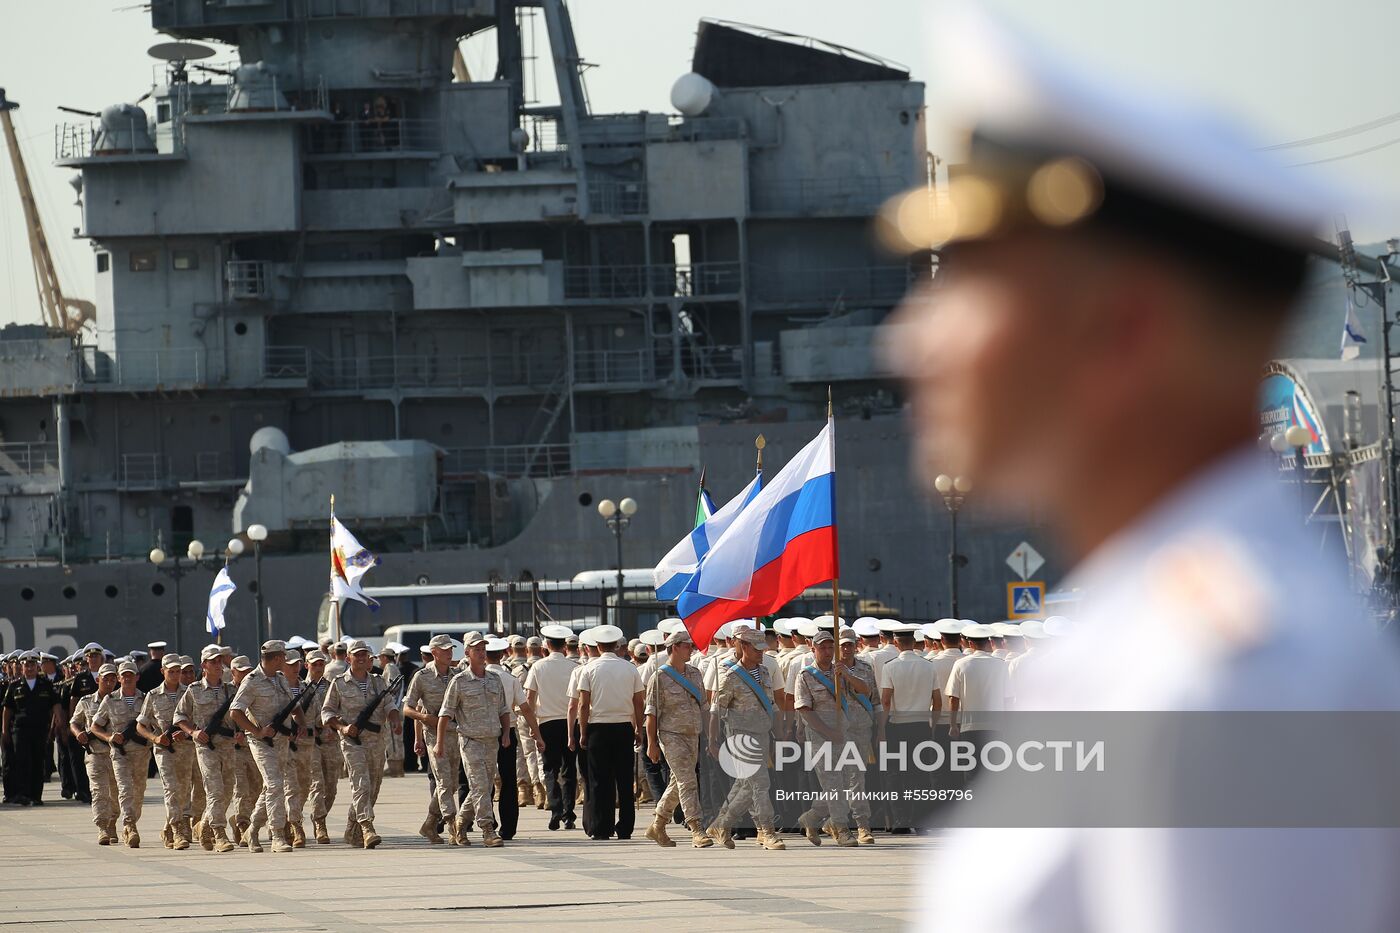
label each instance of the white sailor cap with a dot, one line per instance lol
(607, 634)
(949, 626)
(888, 626)
(653, 637)
(723, 632)
(667, 626)
(556, 631)
(866, 627)
(45, 656)
(156, 645)
(930, 632)
(1002, 629)
(1033, 628)
(92, 647)
(1054, 146)
(782, 627)
(586, 638)
(908, 629)
(296, 641)
(497, 644)
(808, 628)
(977, 631)
(30, 655)
(1057, 626)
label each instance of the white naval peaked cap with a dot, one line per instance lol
(888, 626)
(949, 626)
(743, 623)
(653, 637)
(930, 632)
(977, 631)
(670, 626)
(725, 631)
(1033, 628)
(1057, 626)
(808, 628)
(556, 631)
(867, 627)
(1003, 84)
(586, 637)
(497, 644)
(296, 641)
(782, 627)
(607, 634)
(1002, 628)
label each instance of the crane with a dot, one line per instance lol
(61, 313)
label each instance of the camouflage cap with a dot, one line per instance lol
(210, 653)
(241, 663)
(108, 668)
(127, 667)
(170, 660)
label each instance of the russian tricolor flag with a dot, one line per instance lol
(679, 565)
(780, 543)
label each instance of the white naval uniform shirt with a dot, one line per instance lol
(981, 684)
(611, 683)
(800, 659)
(876, 661)
(514, 689)
(550, 679)
(911, 677)
(943, 663)
(1231, 536)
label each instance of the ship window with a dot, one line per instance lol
(143, 260)
(104, 262)
(240, 328)
(184, 260)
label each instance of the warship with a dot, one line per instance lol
(331, 260)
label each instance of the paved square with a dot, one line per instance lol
(54, 876)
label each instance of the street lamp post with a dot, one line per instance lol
(618, 515)
(954, 491)
(176, 571)
(258, 534)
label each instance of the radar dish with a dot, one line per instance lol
(180, 51)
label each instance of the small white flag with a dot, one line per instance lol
(222, 589)
(1352, 337)
(349, 562)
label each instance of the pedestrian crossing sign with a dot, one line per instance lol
(1025, 600)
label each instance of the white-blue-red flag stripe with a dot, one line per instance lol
(679, 565)
(781, 542)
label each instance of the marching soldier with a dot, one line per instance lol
(675, 714)
(476, 702)
(744, 697)
(816, 703)
(247, 780)
(301, 749)
(610, 696)
(393, 741)
(508, 758)
(115, 723)
(202, 702)
(31, 717)
(362, 744)
(326, 760)
(98, 753)
(174, 756)
(262, 695)
(422, 704)
(547, 687)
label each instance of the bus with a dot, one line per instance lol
(500, 608)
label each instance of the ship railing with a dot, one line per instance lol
(691, 129)
(286, 363)
(664, 280)
(25, 459)
(819, 195)
(352, 137)
(787, 285)
(609, 367)
(701, 362)
(247, 279)
(434, 371)
(629, 129)
(617, 197)
(144, 471)
(286, 95)
(145, 368)
(511, 461)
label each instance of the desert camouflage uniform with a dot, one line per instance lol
(101, 779)
(175, 763)
(216, 760)
(476, 704)
(129, 764)
(364, 756)
(261, 698)
(679, 722)
(426, 693)
(751, 726)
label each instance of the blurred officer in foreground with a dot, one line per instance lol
(1115, 272)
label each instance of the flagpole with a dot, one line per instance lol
(835, 577)
(335, 603)
(760, 443)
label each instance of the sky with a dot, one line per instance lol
(1289, 69)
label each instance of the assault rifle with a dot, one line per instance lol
(279, 722)
(362, 721)
(129, 734)
(216, 726)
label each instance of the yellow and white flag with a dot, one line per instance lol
(349, 563)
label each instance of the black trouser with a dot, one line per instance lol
(560, 769)
(610, 780)
(508, 804)
(910, 778)
(7, 768)
(30, 760)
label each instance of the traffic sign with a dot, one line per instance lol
(1025, 600)
(1025, 560)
